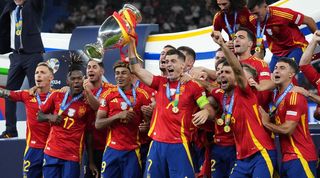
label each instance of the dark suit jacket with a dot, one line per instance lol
(32, 13)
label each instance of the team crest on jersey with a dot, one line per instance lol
(71, 112)
(123, 105)
(269, 31)
(82, 111)
(102, 102)
(243, 20)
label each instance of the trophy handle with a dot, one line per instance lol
(94, 51)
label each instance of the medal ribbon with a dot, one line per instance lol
(136, 85)
(40, 103)
(98, 93)
(18, 19)
(174, 102)
(281, 97)
(232, 31)
(125, 98)
(65, 105)
(261, 32)
(229, 112)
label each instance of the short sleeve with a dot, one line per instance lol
(216, 22)
(295, 106)
(311, 74)
(156, 80)
(264, 71)
(16, 95)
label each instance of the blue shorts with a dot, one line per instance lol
(32, 162)
(169, 160)
(222, 160)
(144, 152)
(295, 53)
(260, 164)
(116, 163)
(297, 168)
(198, 156)
(55, 167)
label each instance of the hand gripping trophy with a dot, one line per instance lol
(115, 32)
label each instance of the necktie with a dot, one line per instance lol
(18, 30)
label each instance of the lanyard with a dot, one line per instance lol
(232, 31)
(227, 117)
(40, 103)
(99, 92)
(261, 32)
(276, 103)
(65, 105)
(136, 85)
(123, 95)
(18, 20)
(177, 94)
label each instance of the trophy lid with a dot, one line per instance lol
(135, 10)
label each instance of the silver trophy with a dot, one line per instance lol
(115, 32)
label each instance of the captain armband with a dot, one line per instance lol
(202, 101)
(133, 61)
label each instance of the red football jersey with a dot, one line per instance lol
(124, 136)
(220, 136)
(282, 30)
(99, 136)
(242, 20)
(263, 71)
(37, 132)
(249, 133)
(299, 144)
(167, 126)
(66, 139)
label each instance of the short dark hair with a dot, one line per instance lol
(176, 52)
(99, 63)
(253, 3)
(169, 46)
(188, 50)
(250, 69)
(292, 63)
(45, 64)
(121, 64)
(220, 61)
(219, 49)
(235, 5)
(250, 34)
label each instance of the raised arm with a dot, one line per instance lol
(307, 55)
(144, 75)
(310, 23)
(232, 60)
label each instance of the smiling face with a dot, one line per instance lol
(43, 76)
(123, 77)
(162, 60)
(75, 81)
(226, 78)
(189, 61)
(175, 67)
(242, 44)
(94, 71)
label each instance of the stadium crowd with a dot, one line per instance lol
(187, 122)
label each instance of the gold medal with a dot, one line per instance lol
(227, 129)
(220, 122)
(257, 49)
(233, 36)
(175, 109)
(18, 32)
